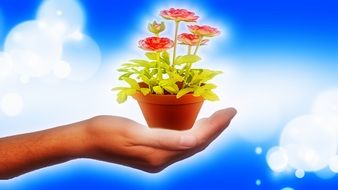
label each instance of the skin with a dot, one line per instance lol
(109, 138)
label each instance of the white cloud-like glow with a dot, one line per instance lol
(258, 182)
(277, 159)
(50, 48)
(311, 141)
(83, 56)
(6, 65)
(12, 104)
(62, 69)
(258, 150)
(287, 188)
(308, 143)
(62, 17)
(333, 164)
(55, 45)
(299, 173)
(326, 103)
(33, 50)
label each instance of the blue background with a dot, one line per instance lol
(260, 28)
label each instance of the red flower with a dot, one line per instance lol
(191, 39)
(179, 15)
(204, 30)
(156, 44)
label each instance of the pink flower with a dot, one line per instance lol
(156, 44)
(191, 39)
(179, 15)
(204, 30)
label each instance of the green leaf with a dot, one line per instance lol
(151, 55)
(187, 59)
(119, 88)
(153, 72)
(123, 70)
(145, 91)
(130, 91)
(124, 93)
(209, 95)
(178, 57)
(183, 92)
(166, 57)
(152, 64)
(196, 79)
(198, 91)
(158, 90)
(177, 77)
(164, 65)
(145, 79)
(133, 83)
(189, 79)
(146, 73)
(171, 89)
(141, 63)
(126, 75)
(209, 74)
(209, 86)
(153, 82)
(128, 65)
(167, 82)
(121, 97)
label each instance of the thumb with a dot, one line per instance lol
(208, 129)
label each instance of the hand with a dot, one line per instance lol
(108, 138)
(123, 141)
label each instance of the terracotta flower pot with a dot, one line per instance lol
(166, 111)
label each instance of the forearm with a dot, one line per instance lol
(23, 153)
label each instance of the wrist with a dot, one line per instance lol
(74, 139)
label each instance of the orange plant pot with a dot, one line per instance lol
(166, 111)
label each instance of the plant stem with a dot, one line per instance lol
(187, 68)
(159, 70)
(198, 45)
(175, 41)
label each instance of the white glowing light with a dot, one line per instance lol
(326, 103)
(77, 35)
(258, 150)
(258, 182)
(309, 145)
(24, 79)
(299, 173)
(83, 56)
(12, 104)
(333, 164)
(287, 188)
(277, 159)
(33, 49)
(59, 12)
(6, 65)
(248, 113)
(62, 69)
(62, 16)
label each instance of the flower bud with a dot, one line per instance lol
(156, 28)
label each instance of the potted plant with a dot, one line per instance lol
(168, 89)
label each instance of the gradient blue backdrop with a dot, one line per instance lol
(260, 28)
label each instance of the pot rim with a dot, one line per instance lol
(167, 99)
